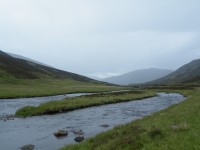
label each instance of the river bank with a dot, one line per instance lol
(176, 127)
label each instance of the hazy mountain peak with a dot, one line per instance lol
(138, 76)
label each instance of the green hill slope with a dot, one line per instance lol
(188, 73)
(24, 69)
(23, 78)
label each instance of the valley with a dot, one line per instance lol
(39, 99)
(99, 75)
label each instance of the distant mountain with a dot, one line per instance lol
(138, 76)
(24, 69)
(187, 73)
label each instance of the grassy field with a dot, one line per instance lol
(175, 128)
(43, 87)
(83, 102)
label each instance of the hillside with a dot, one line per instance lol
(24, 69)
(138, 76)
(23, 78)
(25, 58)
(186, 74)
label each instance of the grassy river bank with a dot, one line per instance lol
(177, 127)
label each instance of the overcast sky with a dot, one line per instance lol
(102, 37)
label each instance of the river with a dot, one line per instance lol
(39, 130)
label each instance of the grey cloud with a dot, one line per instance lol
(102, 37)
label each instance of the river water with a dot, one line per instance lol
(39, 130)
(9, 106)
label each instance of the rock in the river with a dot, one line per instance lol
(78, 131)
(28, 147)
(79, 138)
(6, 117)
(104, 125)
(60, 133)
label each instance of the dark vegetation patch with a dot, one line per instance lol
(155, 133)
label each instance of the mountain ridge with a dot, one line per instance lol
(138, 76)
(28, 59)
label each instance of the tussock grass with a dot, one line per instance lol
(155, 132)
(70, 104)
(175, 128)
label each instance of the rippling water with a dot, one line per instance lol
(39, 130)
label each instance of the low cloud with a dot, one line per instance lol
(102, 75)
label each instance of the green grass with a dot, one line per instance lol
(12, 88)
(82, 102)
(175, 128)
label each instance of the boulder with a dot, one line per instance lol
(28, 147)
(78, 131)
(60, 133)
(79, 138)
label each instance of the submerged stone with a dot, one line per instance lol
(28, 147)
(78, 131)
(79, 138)
(104, 125)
